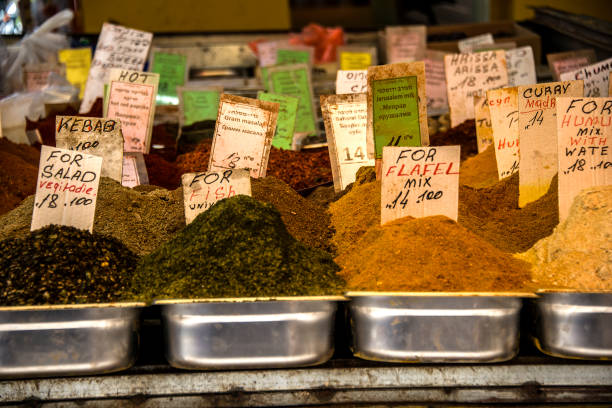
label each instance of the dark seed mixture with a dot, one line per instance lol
(63, 265)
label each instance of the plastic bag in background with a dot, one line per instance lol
(38, 47)
(15, 107)
(324, 40)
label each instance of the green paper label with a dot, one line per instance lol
(395, 113)
(295, 83)
(285, 123)
(284, 56)
(171, 69)
(199, 105)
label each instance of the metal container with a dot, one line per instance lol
(42, 341)
(248, 333)
(575, 325)
(434, 328)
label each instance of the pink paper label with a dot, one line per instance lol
(131, 104)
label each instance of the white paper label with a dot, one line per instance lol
(466, 45)
(243, 135)
(503, 107)
(435, 83)
(66, 188)
(118, 47)
(202, 190)
(351, 82)
(521, 66)
(595, 78)
(419, 182)
(584, 130)
(97, 136)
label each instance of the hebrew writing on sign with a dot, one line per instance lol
(521, 66)
(117, 47)
(419, 182)
(131, 99)
(538, 135)
(243, 135)
(97, 136)
(397, 110)
(173, 72)
(466, 45)
(584, 130)
(405, 43)
(345, 118)
(66, 188)
(285, 123)
(470, 74)
(435, 83)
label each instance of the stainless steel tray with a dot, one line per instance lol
(574, 325)
(434, 328)
(248, 333)
(42, 341)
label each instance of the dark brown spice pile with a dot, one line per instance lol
(18, 173)
(162, 172)
(493, 213)
(463, 135)
(306, 221)
(63, 265)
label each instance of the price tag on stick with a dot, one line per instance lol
(397, 107)
(202, 190)
(134, 170)
(538, 136)
(345, 118)
(595, 78)
(482, 116)
(569, 61)
(419, 182)
(66, 188)
(405, 43)
(470, 74)
(435, 81)
(584, 131)
(243, 135)
(97, 136)
(351, 82)
(285, 123)
(131, 99)
(503, 106)
(118, 47)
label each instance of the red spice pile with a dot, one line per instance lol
(300, 170)
(18, 173)
(162, 172)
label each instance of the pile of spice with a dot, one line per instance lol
(578, 255)
(355, 213)
(61, 265)
(162, 172)
(300, 170)
(493, 214)
(429, 254)
(142, 221)
(18, 173)
(463, 135)
(237, 248)
(306, 221)
(480, 171)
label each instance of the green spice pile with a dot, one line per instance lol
(306, 221)
(142, 221)
(62, 265)
(237, 248)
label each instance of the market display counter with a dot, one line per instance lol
(528, 379)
